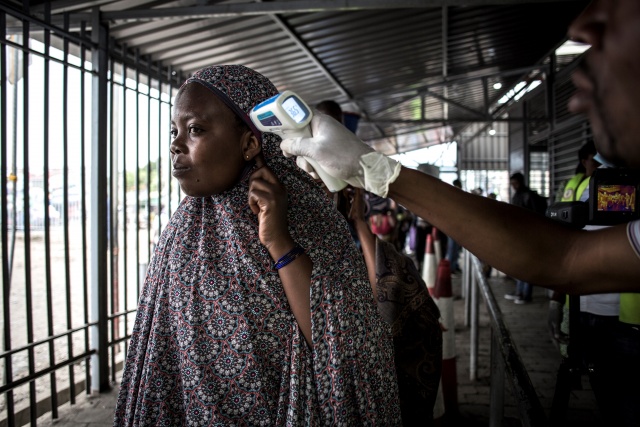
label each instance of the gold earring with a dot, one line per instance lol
(247, 157)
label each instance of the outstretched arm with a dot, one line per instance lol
(521, 243)
(516, 241)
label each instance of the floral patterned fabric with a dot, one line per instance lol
(215, 342)
(405, 303)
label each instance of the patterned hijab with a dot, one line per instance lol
(215, 341)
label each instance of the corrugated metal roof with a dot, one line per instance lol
(404, 66)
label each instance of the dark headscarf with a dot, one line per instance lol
(215, 341)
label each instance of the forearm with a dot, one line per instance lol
(296, 281)
(511, 239)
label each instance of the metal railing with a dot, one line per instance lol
(506, 363)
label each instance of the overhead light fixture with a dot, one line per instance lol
(497, 85)
(492, 131)
(572, 48)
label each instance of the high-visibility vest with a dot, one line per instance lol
(575, 187)
(630, 308)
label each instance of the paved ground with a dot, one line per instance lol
(527, 324)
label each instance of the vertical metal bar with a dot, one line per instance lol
(485, 96)
(445, 59)
(83, 201)
(550, 89)
(148, 183)
(137, 142)
(47, 234)
(125, 246)
(169, 176)
(27, 221)
(113, 209)
(65, 209)
(6, 267)
(473, 345)
(496, 389)
(466, 287)
(160, 151)
(100, 368)
(115, 202)
(525, 140)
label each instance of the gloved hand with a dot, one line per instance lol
(305, 166)
(341, 154)
(554, 320)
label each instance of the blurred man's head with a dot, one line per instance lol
(586, 155)
(517, 181)
(330, 108)
(609, 81)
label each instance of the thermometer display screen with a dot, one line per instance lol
(296, 110)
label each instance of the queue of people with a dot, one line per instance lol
(540, 251)
(258, 307)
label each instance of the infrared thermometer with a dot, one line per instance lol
(288, 116)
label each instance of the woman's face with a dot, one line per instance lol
(207, 143)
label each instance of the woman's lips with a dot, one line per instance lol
(179, 170)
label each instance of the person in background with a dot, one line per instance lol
(576, 185)
(525, 198)
(402, 297)
(330, 108)
(256, 308)
(405, 303)
(383, 221)
(576, 189)
(589, 344)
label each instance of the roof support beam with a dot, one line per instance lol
(469, 77)
(312, 57)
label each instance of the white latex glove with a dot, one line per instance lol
(305, 166)
(341, 154)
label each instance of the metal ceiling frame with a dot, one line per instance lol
(75, 14)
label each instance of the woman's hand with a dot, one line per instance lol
(268, 200)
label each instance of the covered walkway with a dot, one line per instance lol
(87, 93)
(527, 324)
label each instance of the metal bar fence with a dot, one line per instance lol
(50, 306)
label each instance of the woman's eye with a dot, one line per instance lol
(174, 133)
(194, 129)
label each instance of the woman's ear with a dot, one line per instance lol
(251, 146)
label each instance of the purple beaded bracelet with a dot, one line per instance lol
(289, 257)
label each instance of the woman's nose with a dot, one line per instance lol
(176, 146)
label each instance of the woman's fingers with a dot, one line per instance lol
(268, 199)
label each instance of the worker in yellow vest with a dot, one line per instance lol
(586, 165)
(558, 319)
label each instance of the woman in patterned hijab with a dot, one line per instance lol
(221, 337)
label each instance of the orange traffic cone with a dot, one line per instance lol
(443, 297)
(429, 266)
